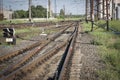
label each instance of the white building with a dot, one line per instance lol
(117, 9)
(7, 14)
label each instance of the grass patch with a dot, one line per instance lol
(14, 21)
(28, 32)
(25, 33)
(109, 50)
(115, 24)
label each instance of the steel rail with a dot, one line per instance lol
(15, 53)
(62, 67)
(63, 72)
(24, 59)
(36, 62)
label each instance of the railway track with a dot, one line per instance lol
(76, 60)
(15, 53)
(62, 72)
(35, 24)
(15, 69)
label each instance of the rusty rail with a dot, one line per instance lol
(18, 74)
(62, 68)
(15, 53)
(12, 69)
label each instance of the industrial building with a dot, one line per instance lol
(6, 14)
(102, 9)
(117, 9)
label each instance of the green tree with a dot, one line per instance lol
(37, 12)
(62, 14)
(20, 14)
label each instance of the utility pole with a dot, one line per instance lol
(98, 9)
(64, 10)
(1, 6)
(47, 11)
(113, 7)
(103, 8)
(49, 6)
(87, 11)
(107, 15)
(30, 1)
(55, 9)
(92, 14)
(1, 9)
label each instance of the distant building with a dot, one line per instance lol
(117, 9)
(7, 14)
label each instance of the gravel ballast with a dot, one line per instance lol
(91, 61)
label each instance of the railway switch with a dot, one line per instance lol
(9, 34)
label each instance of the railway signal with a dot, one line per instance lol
(12, 32)
(6, 32)
(9, 34)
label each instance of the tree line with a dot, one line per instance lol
(36, 12)
(41, 12)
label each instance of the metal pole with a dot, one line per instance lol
(103, 8)
(86, 11)
(98, 9)
(30, 1)
(1, 10)
(64, 11)
(107, 15)
(1, 6)
(55, 9)
(92, 14)
(112, 10)
(49, 5)
(47, 11)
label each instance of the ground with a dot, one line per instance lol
(91, 61)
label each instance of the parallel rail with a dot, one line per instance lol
(20, 73)
(62, 68)
(15, 70)
(35, 24)
(15, 53)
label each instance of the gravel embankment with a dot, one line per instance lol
(91, 61)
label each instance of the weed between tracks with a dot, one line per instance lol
(27, 33)
(109, 49)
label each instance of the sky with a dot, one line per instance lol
(71, 6)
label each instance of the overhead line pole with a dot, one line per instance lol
(47, 11)
(107, 15)
(98, 9)
(1, 10)
(49, 6)
(92, 14)
(103, 8)
(87, 11)
(30, 1)
(113, 17)
(55, 9)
